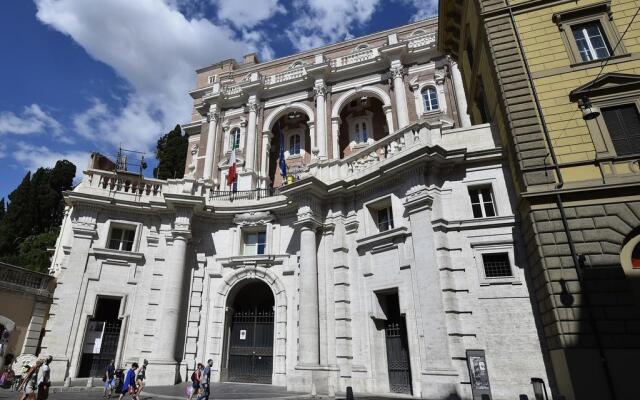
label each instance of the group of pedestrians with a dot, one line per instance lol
(125, 383)
(35, 382)
(201, 382)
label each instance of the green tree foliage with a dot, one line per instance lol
(1, 208)
(30, 222)
(171, 153)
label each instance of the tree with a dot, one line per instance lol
(33, 215)
(2, 210)
(171, 153)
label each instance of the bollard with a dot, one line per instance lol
(90, 382)
(349, 393)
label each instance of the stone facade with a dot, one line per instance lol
(371, 231)
(524, 73)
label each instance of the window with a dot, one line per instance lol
(211, 79)
(496, 265)
(482, 202)
(623, 124)
(122, 238)
(591, 42)
(588, 33)
(254, 243)
(385, 219)
(294, 144)
(234, 139)
(430, 98)
(361, 134)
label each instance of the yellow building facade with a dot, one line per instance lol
(560, 80)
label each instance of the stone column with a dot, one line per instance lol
(266, 145)
(167, 352)
(402, 111)
(461, 100)
(335, 132)
(212, 117)
(321, 118)
(388, 114)
(250, 156)
(309, 330)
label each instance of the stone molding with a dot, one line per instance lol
(253, 218)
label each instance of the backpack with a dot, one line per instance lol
(194, 377)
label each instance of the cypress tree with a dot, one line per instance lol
(2, 209)
(171, 153)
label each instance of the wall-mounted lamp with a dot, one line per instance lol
(363, 100)
(588, 111)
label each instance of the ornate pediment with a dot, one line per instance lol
(607, 84)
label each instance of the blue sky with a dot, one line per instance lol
(86, 75)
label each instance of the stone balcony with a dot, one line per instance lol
(422, 141)
(25, 281)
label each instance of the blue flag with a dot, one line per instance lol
(283, 163)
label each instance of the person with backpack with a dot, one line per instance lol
(129, 385)
(205, 381)
(109, 379)
(29, 384)
(195, 380)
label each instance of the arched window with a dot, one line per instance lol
(361, 134)
(430, 99)
(294, 144)
(234, 139)
(361, 47)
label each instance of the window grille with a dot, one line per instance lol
(496, 265)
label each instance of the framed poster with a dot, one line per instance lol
(93, 337)
(478, 374)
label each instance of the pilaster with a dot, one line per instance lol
(213, 117)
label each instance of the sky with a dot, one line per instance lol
(78, 76)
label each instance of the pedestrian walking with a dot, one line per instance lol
(109, 379)
(29, 384)
(44, 379)
(129, 385)
(205, 381)
(195, 381)
(142, 375)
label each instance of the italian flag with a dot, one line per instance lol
(232, 176)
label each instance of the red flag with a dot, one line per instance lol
(232, 176)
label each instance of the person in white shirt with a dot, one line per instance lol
(44, 379)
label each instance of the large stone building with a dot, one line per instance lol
(390, 261)
(560, 82)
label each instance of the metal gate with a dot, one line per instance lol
(251, 345)
(94, 365)
(398, 355)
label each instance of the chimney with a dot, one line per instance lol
(250, 59)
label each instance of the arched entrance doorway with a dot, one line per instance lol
(249, 333)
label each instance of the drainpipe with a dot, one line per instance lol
(577, 259)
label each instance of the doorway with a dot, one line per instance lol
(249, 341)
(101, 338)
(397, 346)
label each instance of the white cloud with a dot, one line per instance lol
(155, 48)
(324, 21)
(34, 157)
(32, 120)
(3, 150)
(248, 13)
(424, 8)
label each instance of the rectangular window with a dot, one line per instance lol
(623, 124)
(211, 79)
(385, 219)
(254, 243)
(496, 265)
(122, 238)
(482, 202)
(591, 41)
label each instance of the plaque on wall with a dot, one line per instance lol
(478, 374)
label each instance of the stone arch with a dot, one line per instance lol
(7, 323)
(282, 110)
(350, 94)
(221, 296)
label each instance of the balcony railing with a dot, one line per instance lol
(422, 40)
(244, 194)
(129, 184)
(22, 279)
(354, 58)
(288, 75)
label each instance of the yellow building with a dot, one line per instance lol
(560, 80)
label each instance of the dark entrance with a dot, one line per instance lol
(101, 338)
(395, 329)
(250, 334)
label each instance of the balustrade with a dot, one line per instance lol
(20, 278)
(126, 183)
(422, 40)
(285, 76)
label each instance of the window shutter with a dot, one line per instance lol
(623, 124)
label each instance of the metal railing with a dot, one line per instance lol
(256, 194)
(22, 279)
